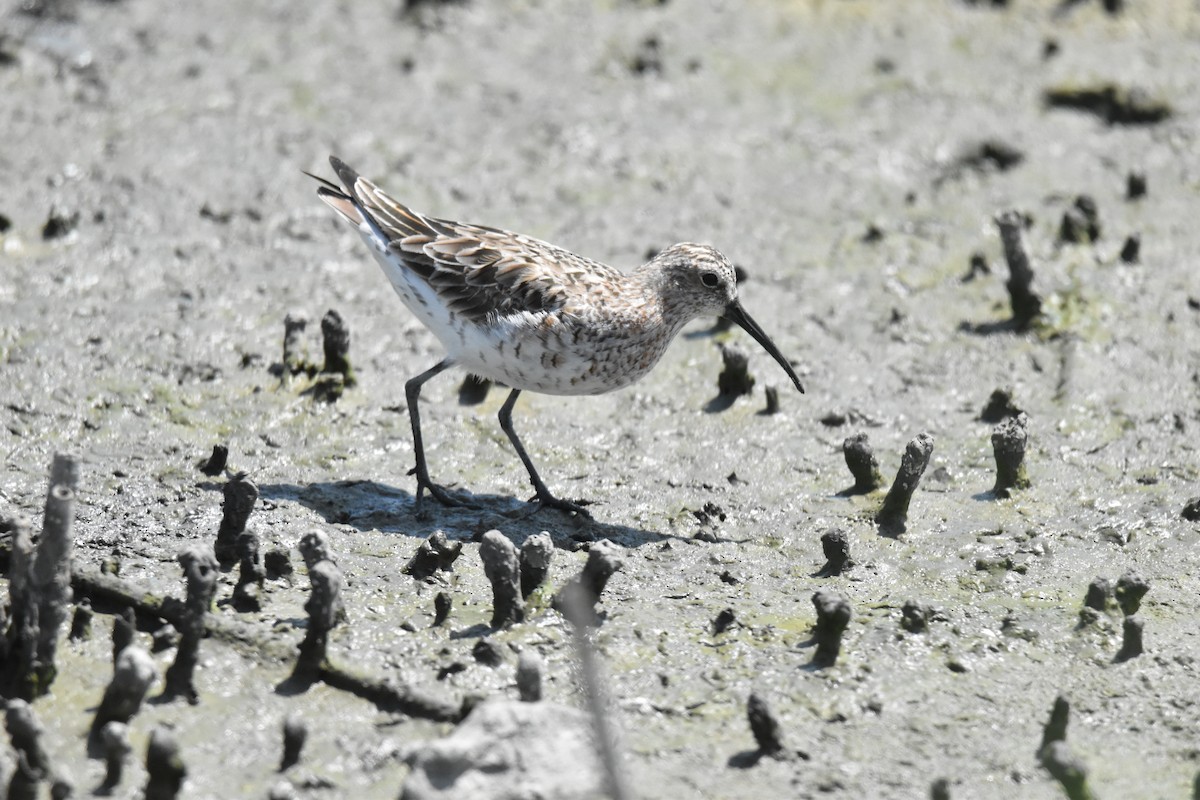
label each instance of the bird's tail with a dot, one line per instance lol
(346, 201)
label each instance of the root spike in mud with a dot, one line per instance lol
(735, 379)
(768, 734)
(893, 514)
(135, 673)
(436, 554)
(201, 570)
(1026, 304)
(862, 463)
(1135, 185)
(529, 676)
(771, 392)
(1131, 587)
(1099, 592)
(216, 462)
(81, 622)
(294, 360)
(114, 743)
(240, 495)
(1009, 441)
(33, 762)
(536, 554)
(247, 592)
(1080, 223)
(1131, 250)
(915, 616)
(40, 587)
(1132, 629)
(502, 565)
(836, 547)
(164, 766)
(324, 608)
(833, 616)
(335, 337)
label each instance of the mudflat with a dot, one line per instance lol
(852, 157)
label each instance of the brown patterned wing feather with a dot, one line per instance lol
(478, 271)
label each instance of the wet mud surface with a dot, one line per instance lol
(156, 231)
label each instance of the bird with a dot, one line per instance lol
(530, 315)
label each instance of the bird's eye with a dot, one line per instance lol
(710, 280)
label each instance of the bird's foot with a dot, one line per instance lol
(439, 493)
(544, 499)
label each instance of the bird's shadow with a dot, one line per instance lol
(369, 505)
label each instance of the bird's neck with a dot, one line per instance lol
(656, 285)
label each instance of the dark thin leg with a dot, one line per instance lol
(544, 498)
(412, 391)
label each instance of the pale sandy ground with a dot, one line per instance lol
(780, 132)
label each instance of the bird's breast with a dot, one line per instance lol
(554, 355)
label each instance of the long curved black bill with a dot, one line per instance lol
(735, 313)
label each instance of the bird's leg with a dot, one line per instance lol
(412, 391)
(543, 497)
